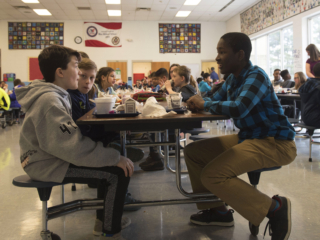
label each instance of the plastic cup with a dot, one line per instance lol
(104, 105)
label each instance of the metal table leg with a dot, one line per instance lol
(123, 142)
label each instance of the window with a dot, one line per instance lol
(314, 30)
(274, 50)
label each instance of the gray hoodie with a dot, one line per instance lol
(50, 140)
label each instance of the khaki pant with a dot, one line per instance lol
(215, 163)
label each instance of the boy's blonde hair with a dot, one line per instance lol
(183, 71)
(87, 64)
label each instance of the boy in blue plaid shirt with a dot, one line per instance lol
(265, 140)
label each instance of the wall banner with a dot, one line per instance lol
(102, 34)
(269, 12)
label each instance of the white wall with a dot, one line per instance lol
(300, 29)
(145, 46)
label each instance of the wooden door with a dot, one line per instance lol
(156, 65)
(122, 67)
(206, 67)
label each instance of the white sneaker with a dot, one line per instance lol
(97, 230)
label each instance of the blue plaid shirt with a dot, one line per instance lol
(310, 85)
(251, 101)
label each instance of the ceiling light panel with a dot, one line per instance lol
(113, 1)
(183, 13)
(30, 1)
(42, 12)
(192, 2)
(114, 13)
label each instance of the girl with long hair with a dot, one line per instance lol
(314, 55)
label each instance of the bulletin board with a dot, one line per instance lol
(34, 35)
(179, 38)
(34, 69)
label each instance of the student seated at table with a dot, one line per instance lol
(155, 83)
(205, 84)
(163, 76)
(310, 97)
(53, 148)
(287, 81)
(14, 103)
(181, 83)
(106, 78)
(277, 81)
(265, 140)
(138, 84)
(4, 100)
(4, 86)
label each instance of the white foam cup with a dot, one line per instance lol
(104, 105)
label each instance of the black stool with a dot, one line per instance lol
(44, 191)
(201, 137)
(193, 132)
(310, 131)
(254, 178)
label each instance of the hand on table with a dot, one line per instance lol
(196, 103)
(127, 166)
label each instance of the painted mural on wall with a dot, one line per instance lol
(269, 12)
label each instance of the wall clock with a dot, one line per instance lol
(78, 40)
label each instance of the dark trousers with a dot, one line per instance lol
(112, 187)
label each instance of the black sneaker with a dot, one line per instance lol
(153, 166)
(280, 220)
(129, 199)
(153, 157)
(207, 217)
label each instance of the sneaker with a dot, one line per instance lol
(280, 220)
(134, 154)
(153, 157)
(97, 230)
(153, 166)
(207, 217)
(116, 236)
(129, 199)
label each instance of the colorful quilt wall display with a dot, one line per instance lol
(34, 35)
(179, 38)
(269, 12)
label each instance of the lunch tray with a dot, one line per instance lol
(115, 115)
(177, 110)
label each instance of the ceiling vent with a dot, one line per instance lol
(143, 9)
(84, 8)
(22, 7)
(226, 6)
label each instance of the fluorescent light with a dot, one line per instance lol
(114, 13)
(113, 1)
(43, 12)
(192, 2)
(183, 13)
(30, 1)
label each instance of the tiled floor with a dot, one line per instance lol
(20, 208)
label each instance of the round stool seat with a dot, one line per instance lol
(201, 137)
(302, 125)
(26, 182)
(196, 131)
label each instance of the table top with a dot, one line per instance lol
(289, 95)
(141, 123)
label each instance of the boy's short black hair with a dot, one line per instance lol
(16, 82)
(212, 68)
(276, 70)
(316, 70)
(205, 75)
(54, 57)
(239, 41)
(284, 73)
(162, 72)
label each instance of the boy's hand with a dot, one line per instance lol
(196, 103)
(127, 166)
(161, 83)
(168, 85)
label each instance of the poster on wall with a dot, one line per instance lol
(34, 35)
(269, 12)
(179, 38)
(99, 34)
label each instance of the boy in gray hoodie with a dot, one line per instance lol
(53, 148)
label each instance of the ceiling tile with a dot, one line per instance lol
(129, 7)
(161, 2)
(100, 12)
(128, 13)
(5, 16)
(166, 18)
(67, 6)
(99, 6)
(128, 17)
(181, 2)
(86, 12)
(115, 18)
(169, 14)
(179, 18)
(73, 17)
(72, 12)
(5, 6)
(102, 17)
(142, 13)
(36, 6)
(201, 8)
(154, 18)
(144, 4)
(113, 6)
(140, 18)
(187, 8)
(51, 6)
(128, 2)
(58, 13)
(196, 13)
(195, 18)
(155, 13)
(81, 3)
(158, 7)
(63, 17)
(173, 8)
(208, 2)
(97, 2)
(64, 1)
